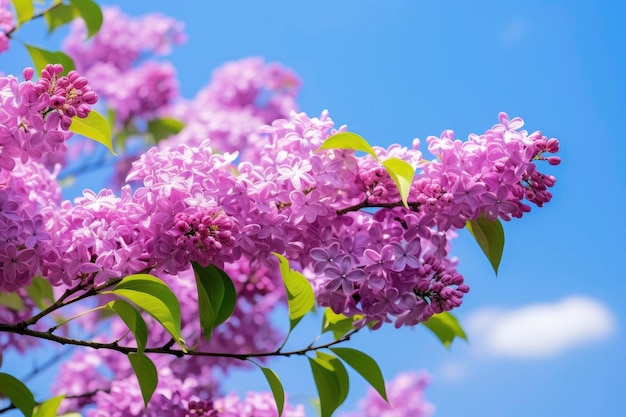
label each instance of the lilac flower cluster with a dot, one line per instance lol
(35, 116)
(242, 96)
(112, 59)
(24, 238)
(6, 24)
(203, 235)
(392, 263)
(406, 399)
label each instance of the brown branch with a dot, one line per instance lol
(414, 205)
(166, 350)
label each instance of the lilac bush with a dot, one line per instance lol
(243, 207)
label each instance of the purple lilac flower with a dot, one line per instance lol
(406, 398)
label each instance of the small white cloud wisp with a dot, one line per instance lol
(540, 330)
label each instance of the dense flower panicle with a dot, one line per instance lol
(36, 116)
(394, 264)
(98, 238)
(406, 399)
(140, 92)
(114, 59)
(77, 376)
(25, 242)
(6, 24)
(242, 96)
(122, 40)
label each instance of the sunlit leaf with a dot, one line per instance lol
(348, 140)
(13, 389)
(402, 174)
(365, 366)
(24, 10)
(59, 16)
(133, 320)
(331, 380)
(91, 14)
(154, 297)
(446, 327)
(146, 375)
(216, 296)
(276, 387)
(49, 407)
(164, 127)
(41, 292)
(490, 236)
(300, 296)
(95, 127)
(12, 301)
(337, 323)
(43, 57)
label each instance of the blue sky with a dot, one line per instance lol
(396, 70)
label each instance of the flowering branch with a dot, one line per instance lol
(166, 349)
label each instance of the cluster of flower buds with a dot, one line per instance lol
(36, 116)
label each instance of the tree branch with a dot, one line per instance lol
(414, 205)
(15, 328)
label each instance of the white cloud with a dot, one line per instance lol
(540, 330)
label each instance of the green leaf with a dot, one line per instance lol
(24, 10)
(95, 127)
(49, 407)
(402, 174)
(446, 327)
(337, 323)
(164, 127)
(365, 366)
(490, 236)
(146, 375)
(331, 380)
(300, 296)
(348, 140)
(12, 301)
(91, 14)
(216, 296)
(60, 15)
(43, 57)
(133, 320)
(155, 298)
(18, 393)
(40, 291)
(277, 388)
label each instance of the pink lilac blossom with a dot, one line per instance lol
(406, 399)
(122, 40)
(391, 265)
(6, 24)
(242, 96)
(115, 59)
(135, 93)
(307, 203)
(25, 193)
